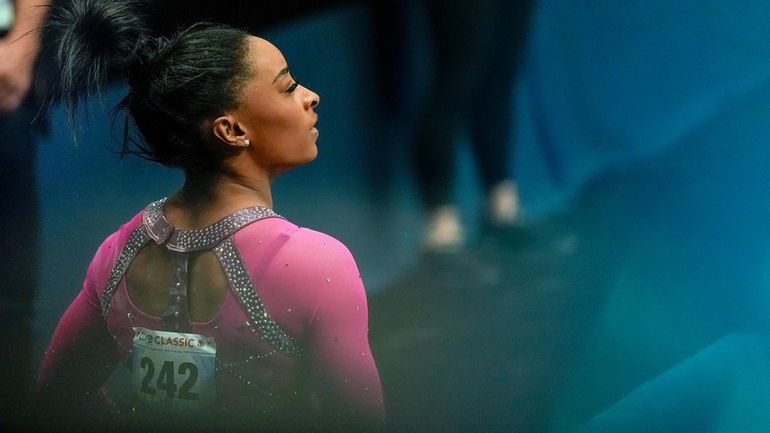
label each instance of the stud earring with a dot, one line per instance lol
(245, 143)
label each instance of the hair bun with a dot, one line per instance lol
(97, 40)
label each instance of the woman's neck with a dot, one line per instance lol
(204, 200)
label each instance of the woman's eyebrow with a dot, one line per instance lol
(281, 73)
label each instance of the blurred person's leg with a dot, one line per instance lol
(390, 22)
(391, 36)
(492, 112)
(461, 34)
(19, 232)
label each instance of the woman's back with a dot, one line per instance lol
(151, 274)
(283, 306)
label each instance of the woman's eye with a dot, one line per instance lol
(292, 87)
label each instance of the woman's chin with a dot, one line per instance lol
(310, 157)
(313, 154)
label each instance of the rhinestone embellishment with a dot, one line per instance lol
(216, 237)
(241, 284)
(135, 242)
(203, 239)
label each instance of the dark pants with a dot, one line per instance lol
(19, 257)
(477, 48)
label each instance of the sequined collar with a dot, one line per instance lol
(162, 232)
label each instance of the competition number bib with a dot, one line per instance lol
(173, 370)
(6, 16)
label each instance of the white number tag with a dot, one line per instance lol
(6, 16)
(173, 370)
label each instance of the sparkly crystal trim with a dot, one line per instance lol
(241, 284)
(161, 231)
(249, 359)
(135, 242)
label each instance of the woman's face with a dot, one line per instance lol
(276, 113)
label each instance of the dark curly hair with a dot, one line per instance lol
(175, 83)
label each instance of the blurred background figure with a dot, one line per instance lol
(476, 47)
(19, 223)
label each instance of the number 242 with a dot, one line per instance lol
(165, 381)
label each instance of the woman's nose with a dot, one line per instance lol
(312, 99)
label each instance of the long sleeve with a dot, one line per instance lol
(311, 285)
(81, 353)
(338, 341)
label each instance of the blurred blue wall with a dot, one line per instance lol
(661, 108)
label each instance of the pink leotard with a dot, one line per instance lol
(292, 328)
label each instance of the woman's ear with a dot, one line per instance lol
(226, 129)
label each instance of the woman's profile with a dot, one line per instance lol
(223, 311)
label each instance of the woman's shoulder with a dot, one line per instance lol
(290, 237)
(108, 252)
(280, 248)
(302, 267)
(120, 236)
